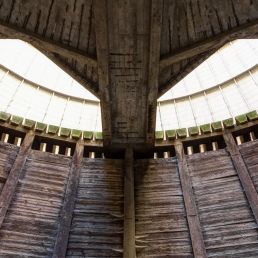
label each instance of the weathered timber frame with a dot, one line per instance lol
(243, 174)
(69, 201)
(190, 206)
(14, 175)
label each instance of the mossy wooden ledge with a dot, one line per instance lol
(40, 127)
(16, 120)
(241, 119)
(53, 129)
(252, 115)
(181, 133)
(217, 126)
(98, 136)
(159, 135)
(65, 132)
(193, 131)
(29, 124)
(76, 134)
(87, 135)
(171, 134)
(4, 117)
(228, 123)
(206, 128)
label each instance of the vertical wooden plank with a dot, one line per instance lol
(129, 206)
(13, 177)
(69, 200)
(102, 46)
(190, 206)
(154, 58)
(243, 173)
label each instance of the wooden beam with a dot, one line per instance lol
(243, 174)
(69, 200)
(102, 46)
(129, 206)
(153, 69)
(14, 32)
(190, 206)
(242, 31)
(14, 175)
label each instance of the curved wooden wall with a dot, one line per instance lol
(199, 205)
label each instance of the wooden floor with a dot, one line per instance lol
(32, 222)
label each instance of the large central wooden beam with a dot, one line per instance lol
(153, 69)
(14, 175)
(190, 206)
(242, 31)
(129, 206)
(102, 45)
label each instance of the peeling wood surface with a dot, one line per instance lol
(161, 224)
(228, 225)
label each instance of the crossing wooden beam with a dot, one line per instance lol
(69, 200)
(190, 205)
(14, 175)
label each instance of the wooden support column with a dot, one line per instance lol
(129, 206)
(243, 173)
(69, 200)
(14, 175)
(190, 206)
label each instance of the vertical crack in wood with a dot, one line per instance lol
(190, 205)
(69, 201)
(129, 206)
(243, 174)
(14, 175)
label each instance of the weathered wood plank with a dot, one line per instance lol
(243, 173)
(190, 206)
(129, 206)
(12, 180)
(69, 200)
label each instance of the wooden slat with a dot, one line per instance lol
(12, 180)
(69, 200)
(243, 173)
(190, 206)
(129, 206)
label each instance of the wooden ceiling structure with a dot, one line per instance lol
(128, 52)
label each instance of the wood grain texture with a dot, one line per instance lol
(161, 224)
(68, 205)
(243, 173)
(14, 175)
(228, 225)
(190, 206)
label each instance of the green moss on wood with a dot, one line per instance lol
(217, 126)
(206, 128)
(241, 119)
(28, 123)
(65, 132)
(159, 135)
(4, 117)
(193, 131)
(40, 127)
(171, 134)
(16, 120)
(181, 133)
(98, 136)
(228, 123)
(87, 135)
(252, 115)
(76, 134)
(52, 129)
